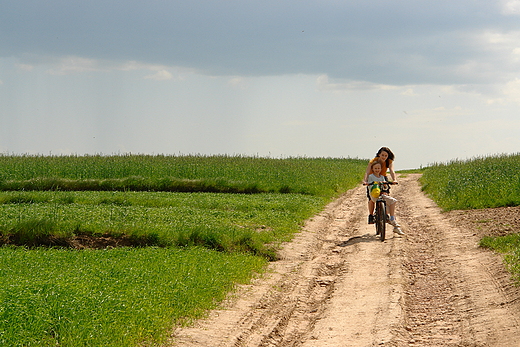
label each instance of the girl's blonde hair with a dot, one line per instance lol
(375, 162)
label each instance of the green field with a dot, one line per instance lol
(492, 181)
(229, 174)
(190, 248)
(226, 222)
(117, 297)
(487, 182)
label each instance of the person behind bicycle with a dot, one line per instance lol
(376, 176)
(386, 157)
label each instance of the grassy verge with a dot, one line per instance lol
(115, 297)
(410, 171)
(509, 246)
(487, 182)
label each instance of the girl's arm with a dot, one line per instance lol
(392, 172)
(367, 172)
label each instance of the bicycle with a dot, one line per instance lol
(380, 216)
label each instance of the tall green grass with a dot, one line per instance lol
(116, 297)
(235, 174)
(485, 182)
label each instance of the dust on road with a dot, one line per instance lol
(338, 285)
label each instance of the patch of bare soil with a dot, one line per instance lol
(492, 221)
(337, 284)
(78, 241)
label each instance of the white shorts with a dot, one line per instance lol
(390, 200)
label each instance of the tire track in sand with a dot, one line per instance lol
(338, 285)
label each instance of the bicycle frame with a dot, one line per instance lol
(380, 216)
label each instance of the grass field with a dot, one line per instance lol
(191, 249)
(492, 181)
(117, 297)
(228, 174)
(226, 222)
(199, 225)
(486, 182)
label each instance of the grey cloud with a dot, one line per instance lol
(388, 42)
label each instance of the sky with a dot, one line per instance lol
(432, 80)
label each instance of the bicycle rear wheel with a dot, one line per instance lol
(381, 219)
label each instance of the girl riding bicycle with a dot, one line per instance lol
(376, 176)
(386, 158)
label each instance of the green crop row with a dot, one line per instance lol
(235, 174)
(492, 181)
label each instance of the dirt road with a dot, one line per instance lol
(338, 285)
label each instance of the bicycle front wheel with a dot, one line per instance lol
(381, 219)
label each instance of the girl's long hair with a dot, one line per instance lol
(391, 155)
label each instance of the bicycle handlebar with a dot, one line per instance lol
(381, 182)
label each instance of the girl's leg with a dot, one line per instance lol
(391, 209)
(391, 202)
(390, 205)
(371, 208)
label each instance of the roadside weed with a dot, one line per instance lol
(509, 245)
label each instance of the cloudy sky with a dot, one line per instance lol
(432, 80)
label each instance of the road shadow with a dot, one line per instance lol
(359, 239)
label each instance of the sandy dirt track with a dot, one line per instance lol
(338, 285)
